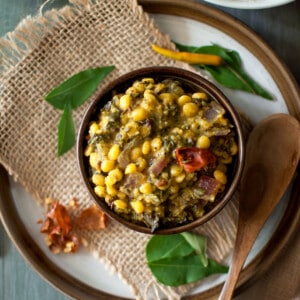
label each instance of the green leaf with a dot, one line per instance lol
(175, 271)
(66, 131)
(180, 258)
(198, 242)
(78, 88)
(164, 246)
(231, 74)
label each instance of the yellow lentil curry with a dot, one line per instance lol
(160, 153)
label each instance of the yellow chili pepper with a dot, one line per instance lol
(189, 57)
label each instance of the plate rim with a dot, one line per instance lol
(288, 87)
(246, 5)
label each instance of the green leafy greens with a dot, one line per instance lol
(230, 74)
(180, 259)
(68, 96)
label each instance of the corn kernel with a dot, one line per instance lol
(121, 195)
(131, 168)
(107, 165)
(114, 152)
(175, 170)
(174, 189)
(226, 160)
(138, 206)
(139, 114)
(233, 149)
(190, 109)
(88, 150)
(222, 168)
(156, 144)
(120, 204)
(140, 87)
(203, 142)
(167, 98)
(146, 188)
(141, 164)
(200, 96)
(111, 190)
(109, 180)
(125, 102)
(184, 99)
(180, 178)
(150, 98)
(98, 179)
(100, 191)
(94, 127)
(146, 147)
(148, 80)
(220, 176)
(135, 153)
(159, 87)
(94, 160)
(116, 174)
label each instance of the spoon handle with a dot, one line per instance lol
(238, 257)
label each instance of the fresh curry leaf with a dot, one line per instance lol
(71, 94)
(166, 246)
(76, 89)
(66, 131)
(175, 271)
(180, 258)
(231, 74)
(198, 242)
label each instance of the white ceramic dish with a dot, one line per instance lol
(249, 4)
(82, 274)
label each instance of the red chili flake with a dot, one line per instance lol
(59, 229)
(91, 218)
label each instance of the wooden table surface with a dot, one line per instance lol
(278, 26)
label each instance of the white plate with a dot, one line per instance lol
(84, 267)
(249, 4)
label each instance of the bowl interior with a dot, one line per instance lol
(191, 82)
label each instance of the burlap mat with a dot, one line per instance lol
(40, 54)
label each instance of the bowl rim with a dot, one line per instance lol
(184, 76)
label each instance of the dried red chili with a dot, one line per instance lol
(193, 159)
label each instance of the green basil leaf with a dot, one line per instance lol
(78, 88)
(166, 246)
(66, 131)
(175, 271)
(199, 243)
(230, 74)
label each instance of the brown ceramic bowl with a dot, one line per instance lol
(191, 81)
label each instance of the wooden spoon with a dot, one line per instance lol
(272, 156)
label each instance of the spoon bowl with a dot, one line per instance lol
(272, 156)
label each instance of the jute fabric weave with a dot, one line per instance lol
(41, 53)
